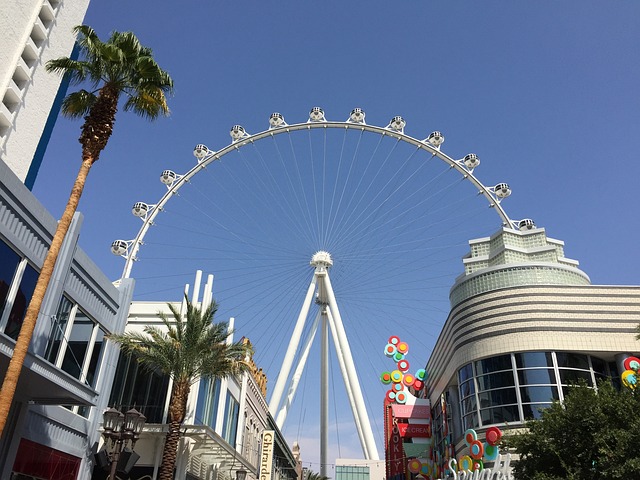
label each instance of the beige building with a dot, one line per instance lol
(525, 323)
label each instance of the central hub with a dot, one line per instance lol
(321, 259)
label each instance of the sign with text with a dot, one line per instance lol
(411, 411)
(266, 455)
(414, 430)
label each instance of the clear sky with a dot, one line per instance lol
(545, 92)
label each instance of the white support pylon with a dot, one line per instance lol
(297, 374)
(276, 396)
(330, 315)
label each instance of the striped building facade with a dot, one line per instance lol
(525, 323)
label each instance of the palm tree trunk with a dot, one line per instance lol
(177, 410)
(28, 325)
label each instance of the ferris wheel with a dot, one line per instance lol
(353, 229)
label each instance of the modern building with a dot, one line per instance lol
(359, 469)
(226, 418)
(65, 382)
(32, 32)
(525, 323)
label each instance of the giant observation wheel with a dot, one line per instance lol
(386, 215)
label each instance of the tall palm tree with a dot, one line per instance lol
(186, 349)
(120, 67)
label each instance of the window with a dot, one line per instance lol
(138, 387)
(230, 426)
(496, 380)
(572, 360)
(208, 401)
(75, 343)
(533, 359)
(17, 283)
(539, 394)
(9, 261)
(493, 364)
(537, 376)
(21, 301)
(57, 329)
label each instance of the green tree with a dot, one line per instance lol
(315, 476)
(591, 435)
(120, 67)
(186, 349)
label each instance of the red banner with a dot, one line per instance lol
(414, 430)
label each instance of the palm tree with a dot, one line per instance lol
(185, 349)
(119, 67)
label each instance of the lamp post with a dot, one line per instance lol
(119, 429)
(241, 474)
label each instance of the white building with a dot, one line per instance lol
(225, 417)
(525, 322)
(32, 32)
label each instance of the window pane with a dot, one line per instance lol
(572, 360)
(495, 380)
(465, 373)
(57, 329)
(534, 412)
(494, 398)
(599, 366)
(20, 303)
(467, 388)
(77, 344)
(537, 376)
(96, 355)
(470, 421)
(469, 405)
(494, 364)
(8, 263)
(574, 376)
(232, 409)
(539, 394)
(505, 414)
(533, 359)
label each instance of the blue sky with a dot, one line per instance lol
(546, 93)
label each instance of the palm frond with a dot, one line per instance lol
(78, 104)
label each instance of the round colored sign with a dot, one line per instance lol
(470, 436)
(493, 435)
(465, 463)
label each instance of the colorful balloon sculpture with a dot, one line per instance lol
(399, 379)
(630, 374)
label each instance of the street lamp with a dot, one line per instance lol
(120, 429)
(241, 474)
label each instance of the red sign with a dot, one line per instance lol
(414, 430)
(411, 411)
(395, 455)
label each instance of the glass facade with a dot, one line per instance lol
(135, 386)
(514, 277)
(514, 388)
(208, 400)
(76, 343)
(352, 472)
(230, 426)
(17, 273)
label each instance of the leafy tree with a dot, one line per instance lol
(186, 349)
(591, 435)
(119, 67)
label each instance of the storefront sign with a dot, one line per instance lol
(414, 430)
(411, 411)
(266, 455)
(395, 455)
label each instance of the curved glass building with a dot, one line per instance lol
(525, 323)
